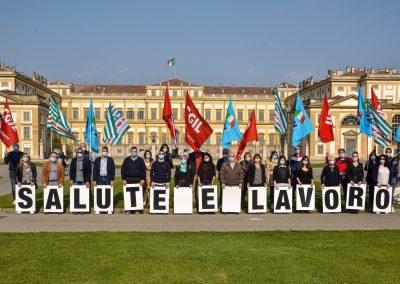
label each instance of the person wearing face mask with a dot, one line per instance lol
(256, 175)
(13, 158)
(221, 161)
(355, 174)
(330, 175)
(341, 163)
(26, 171)
(160, 173)
(305, 173)
(52, 172)
(148, 161)
(85, 150)
(383, 176)
(168, 158)
(79, 172)
(295, 165)
(206, 171)
(281, 176)
(133, 169)
(245, 164)
(394, 169)
(184, 173)
(232, 173)
(271, 164)
(371, 178)
(104, 169)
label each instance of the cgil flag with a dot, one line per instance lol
(363, 115)
(171, 62)
(279, 116)
(57, 122)
(196, 127)
(302, 125)
(168, 116)
(381, 129)
(115, 127)
(250, 134)
(325, 125)
(379, 124)
(231, 128)
(8, 130)
(91, 131)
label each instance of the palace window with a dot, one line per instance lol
(271, 115)
(85, 113)
(75, 113)
(271, 139)
(174, 93)
(261, 138)
(27, 132)
(260, 115)
(340, 88)
(320, 149)
(153, 93)
(153, 113)
(26, 116)
(218, 115)
(140, 114)
(207, 114)
(240, 115)
(195, 94)
(249, 112)
(350, 120)
(175, 113)
(141, 138)
(130, 114)
(97, 113)
(218, 138)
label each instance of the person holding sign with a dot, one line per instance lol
(160, 171)
(245, 163)
(394, 170)
(256, 175)
(133, 169)
(13, 158)
(383, 173)
(52, 172)
(80, 170)
(330, 175)
(281, 176)
(271, 164)
(26, 171)
(206, 171)
(305, 173)
(372, 174)
(341, 163)
(104, 169)
(354, 173)
(184, 173)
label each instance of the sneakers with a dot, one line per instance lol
(14, 202)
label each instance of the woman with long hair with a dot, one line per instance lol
(26, 171)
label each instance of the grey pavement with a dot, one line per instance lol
(11, 222)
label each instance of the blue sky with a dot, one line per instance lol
(227, 42)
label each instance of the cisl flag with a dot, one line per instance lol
(168, 116)
(197, 129)
(8, 130)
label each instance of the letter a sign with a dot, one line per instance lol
(197, 129)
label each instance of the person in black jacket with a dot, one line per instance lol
(355, 174)
(206, 171)
(184, 173)
(330, 175)
(372, 176)
(160, 171)
(281, 174)
(256, 173)
(80, 170)
(133, 169)
(104, 169)
(305, 173)
(12, 159)
(168, 157)
(26, 171)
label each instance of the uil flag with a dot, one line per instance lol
(380, 128)
(325, 128)
(196, 128)
(302, 125)
(8, 131)
(91, 130)
(397, 136)
(363, 116)
(168, 116)
(231, 128)
(250, 134)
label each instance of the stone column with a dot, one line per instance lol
(64, 146)
(285, 149)
(307, 148)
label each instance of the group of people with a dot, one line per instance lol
(197, 168)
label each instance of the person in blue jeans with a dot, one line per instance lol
(104, 169)
(13, 158)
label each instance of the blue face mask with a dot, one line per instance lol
(206, 160)
(183, 161)
(231, 159)
(161, 156)
(381, 162)
(247, 159)
(134, 154)
(341, 155)
(373, 158)
(183, 168)
(225, 155)
(15, 148)
(104, 154)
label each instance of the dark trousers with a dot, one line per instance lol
(371, 192)
(103, 181)
(344, 183)
(271, 197)
(13, 179)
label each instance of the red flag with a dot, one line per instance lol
(375, 103)
(325, 128)
(168, 116)
(196, 128)
(250, 134)
(8, 131)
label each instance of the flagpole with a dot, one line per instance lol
(51, 140)
(174, 71)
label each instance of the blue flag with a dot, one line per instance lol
(231, 128)
(302, 125)
(363, 115)
(397, 136)
(91, 131)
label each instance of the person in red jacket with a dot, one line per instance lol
(341, 162)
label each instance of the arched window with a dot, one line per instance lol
(395, 124)
(350, 120)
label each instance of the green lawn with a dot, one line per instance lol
(256, 257)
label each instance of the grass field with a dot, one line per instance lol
(6, 200)
(270, 257)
